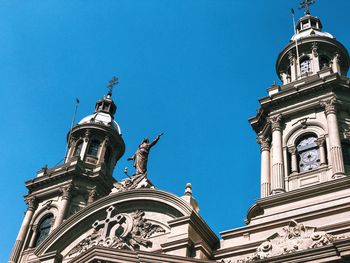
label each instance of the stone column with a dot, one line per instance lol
(66, 193)
(334, 137)
(101, 157)
(34, 235)
(277, 179)
(294, 161)
(314, 57)
(320, 143)
(336, 63)
(85, 144)
(265, 187)
(31, 201)
(293, 69)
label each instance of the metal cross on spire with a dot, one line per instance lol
(305, 4)
(114, 81)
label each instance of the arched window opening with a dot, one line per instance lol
(346, 152)
(324, 62)
(107, 154)
(93, 148)
(308, 153)
(78, 148)
(44, 229)
(305, 66)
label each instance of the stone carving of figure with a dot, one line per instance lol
(140, 157)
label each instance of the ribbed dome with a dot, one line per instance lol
(310, 33)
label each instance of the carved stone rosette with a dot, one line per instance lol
(122, 231)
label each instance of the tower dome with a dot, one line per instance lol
(96, 140)
(310, 52)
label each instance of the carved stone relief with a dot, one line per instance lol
(294, 237)
(122, 231)
(134, 182)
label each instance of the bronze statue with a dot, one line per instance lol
(140, 157)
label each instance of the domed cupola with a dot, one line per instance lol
(96, 140)
(311, 52)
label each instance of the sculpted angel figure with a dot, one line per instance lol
(140, 157)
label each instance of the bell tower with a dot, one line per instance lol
(303, 124)
(95, 145)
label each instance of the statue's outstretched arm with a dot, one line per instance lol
(156, 140)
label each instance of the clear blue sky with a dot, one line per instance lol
(193, 69)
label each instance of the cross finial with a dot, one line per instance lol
(306, 4)
(111, 84)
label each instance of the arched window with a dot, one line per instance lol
(305, 66)
(93, 148)
(324, 62)
(308, 153)
(44, 229)
(78, 148)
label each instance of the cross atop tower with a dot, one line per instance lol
(305, 4)
(111, 84)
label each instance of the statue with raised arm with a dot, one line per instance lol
(140, 157)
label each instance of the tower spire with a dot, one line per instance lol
(306, 4)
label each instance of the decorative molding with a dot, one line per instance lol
(294, 237)
(122, 231)
(320, 141)
(329, 105)
(276, 122)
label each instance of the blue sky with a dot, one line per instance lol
(193, 69)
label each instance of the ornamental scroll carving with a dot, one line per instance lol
(122, 231)
(294, 237)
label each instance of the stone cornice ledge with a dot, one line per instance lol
(117, 255)
(297, 195)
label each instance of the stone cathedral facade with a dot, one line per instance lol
(77, 212)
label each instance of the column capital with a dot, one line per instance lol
(91, 195)
(330, 105)
(276, 122)
(292, 150)
(66, 190)
(264, 143)
(31, 202)
(320, 141)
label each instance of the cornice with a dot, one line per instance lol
(96, 253)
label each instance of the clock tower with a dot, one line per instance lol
(303, 125)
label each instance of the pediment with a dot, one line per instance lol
(131, 220)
